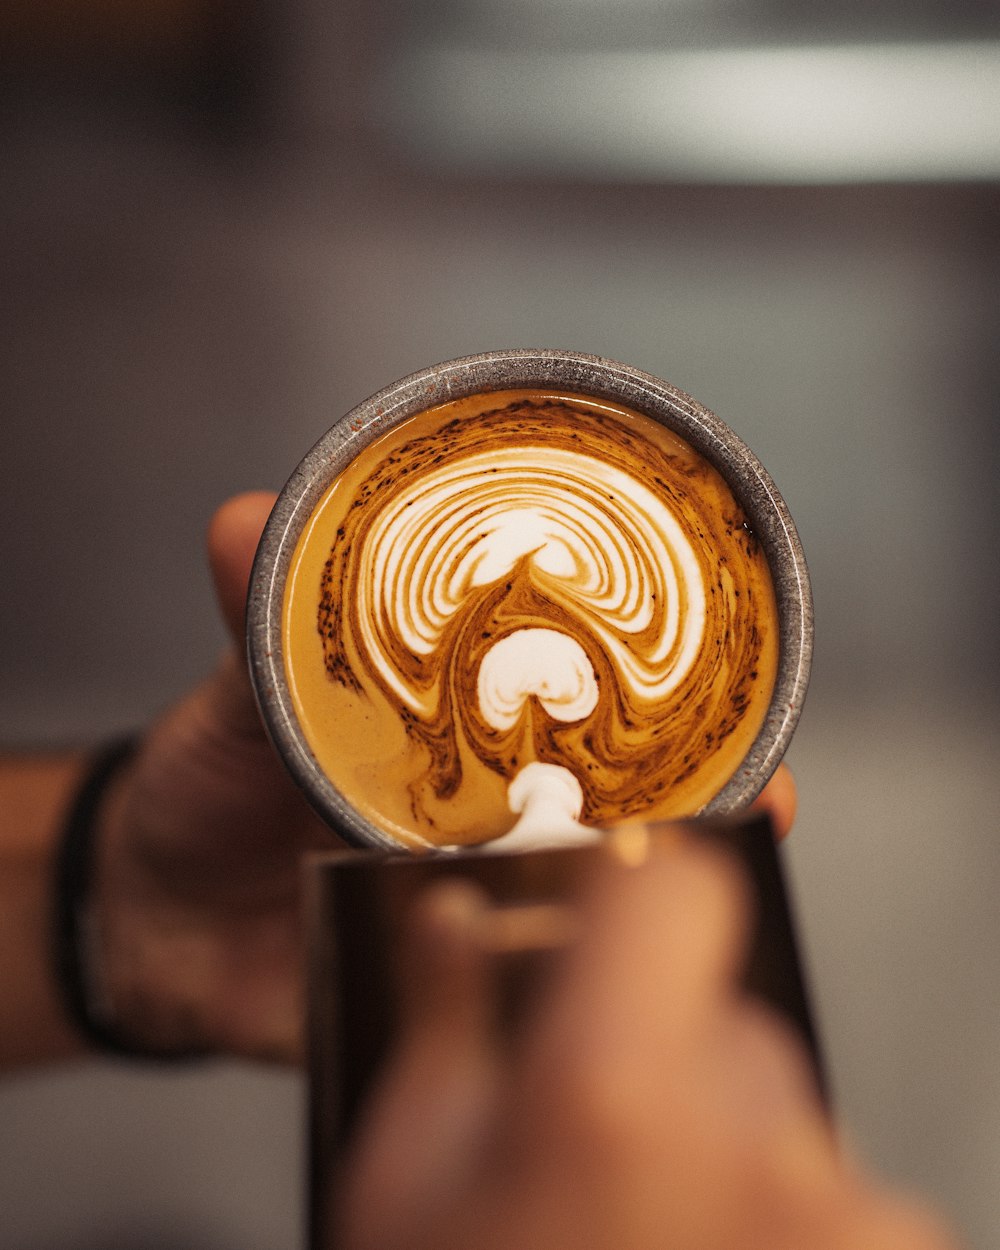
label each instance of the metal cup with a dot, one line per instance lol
(358, 903)
(504, 370)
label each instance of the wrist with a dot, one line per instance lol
(34, 790)
(99, 955)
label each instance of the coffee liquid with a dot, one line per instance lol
(528, 576)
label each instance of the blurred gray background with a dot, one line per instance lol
(225, 225)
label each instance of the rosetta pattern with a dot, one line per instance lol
(563, 522)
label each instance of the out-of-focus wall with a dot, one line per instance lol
(185, 317)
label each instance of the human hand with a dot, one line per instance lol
(648, 1102)
(199, 876)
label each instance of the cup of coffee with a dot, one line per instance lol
(522, 596)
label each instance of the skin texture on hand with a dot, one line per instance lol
(34, 794)
(198, 884)
(649, 1103)
(200, 859)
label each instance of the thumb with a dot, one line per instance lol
(233, 535)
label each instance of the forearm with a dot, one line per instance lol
(34, 794)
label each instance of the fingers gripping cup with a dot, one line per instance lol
(523, 596)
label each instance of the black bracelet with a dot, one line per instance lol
(76, 964)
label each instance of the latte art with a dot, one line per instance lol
(593, 539)
(540, 662)
(519, 579)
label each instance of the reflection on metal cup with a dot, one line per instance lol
(358, 906)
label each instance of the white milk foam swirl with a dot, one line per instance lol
(598, 541)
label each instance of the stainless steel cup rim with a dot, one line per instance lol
(575, 372)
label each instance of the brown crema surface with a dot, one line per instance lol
(514, 511)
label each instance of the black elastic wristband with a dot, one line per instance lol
(74, 940)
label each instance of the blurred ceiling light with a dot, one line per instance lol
(823, 114)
